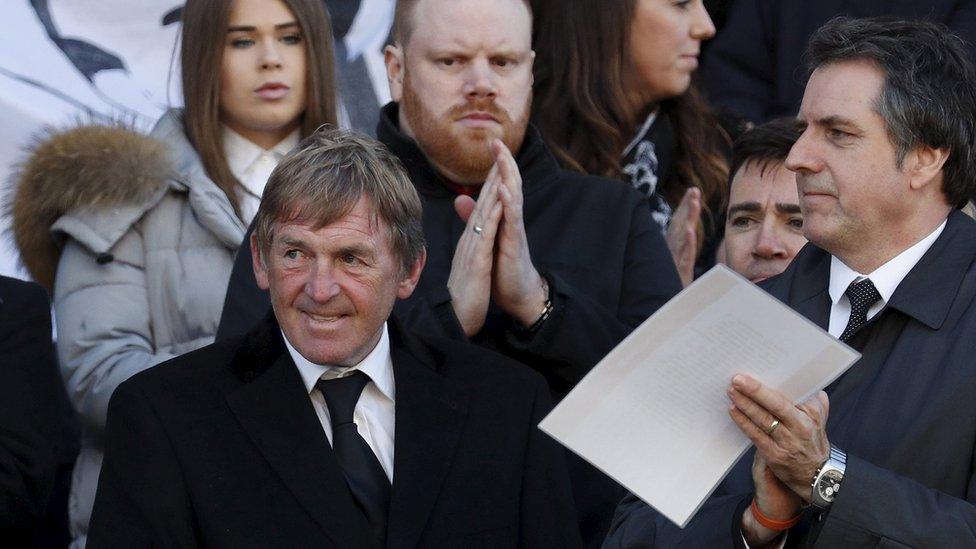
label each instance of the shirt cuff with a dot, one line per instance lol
(780, 545)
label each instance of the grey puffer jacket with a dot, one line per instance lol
(141, 274)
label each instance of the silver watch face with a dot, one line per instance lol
(829, 485)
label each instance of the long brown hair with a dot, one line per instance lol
(204, 32)
(581, 104)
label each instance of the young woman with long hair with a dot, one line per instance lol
(614, 97)
(135, 235)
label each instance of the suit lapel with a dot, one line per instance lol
(277, 414)
(806, 289)
(430, 416)
(816, 308)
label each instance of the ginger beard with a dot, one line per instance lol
(464, 152)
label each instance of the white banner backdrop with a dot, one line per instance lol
(68, 60)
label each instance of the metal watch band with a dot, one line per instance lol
(827, 480)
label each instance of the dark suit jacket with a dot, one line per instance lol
(30, 412)
(222, 447)
(904, 413)
(754, 67)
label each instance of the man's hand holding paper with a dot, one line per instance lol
(664, 391)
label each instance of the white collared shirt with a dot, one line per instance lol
(886, 279)
(374, 414)
(252, 165)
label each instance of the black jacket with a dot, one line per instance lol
(221, 447)
(31, 400)
(754, 67)
(592, 238)
(904, 413)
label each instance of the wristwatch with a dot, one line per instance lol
(827, 479)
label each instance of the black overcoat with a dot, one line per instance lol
(221, 447)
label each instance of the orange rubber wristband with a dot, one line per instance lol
(777, 525)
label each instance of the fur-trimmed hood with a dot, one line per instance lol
(91, 167)
(93, 183)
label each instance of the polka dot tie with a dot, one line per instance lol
(863, 295)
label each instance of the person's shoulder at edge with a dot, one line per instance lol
(22, 294)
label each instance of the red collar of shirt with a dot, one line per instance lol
(467, 190)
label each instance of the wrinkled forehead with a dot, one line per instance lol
(469, 25)
(349, 211)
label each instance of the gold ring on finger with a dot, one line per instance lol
(772, 427)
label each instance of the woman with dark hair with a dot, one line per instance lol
(134, 235)
(614, 97)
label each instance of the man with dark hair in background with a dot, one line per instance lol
(764, 224)
(884, 163)
(551, 268)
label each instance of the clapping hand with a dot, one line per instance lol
(682, 233)
(492, 259)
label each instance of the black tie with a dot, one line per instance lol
(863, 295)
(367, 481)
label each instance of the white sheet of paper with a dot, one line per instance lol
(653, 414)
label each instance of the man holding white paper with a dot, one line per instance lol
(884, 162)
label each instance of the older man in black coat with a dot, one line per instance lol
(327, 425)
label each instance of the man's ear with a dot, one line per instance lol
(257, 261)
(393, 57)
(409, 282)
(924, 166)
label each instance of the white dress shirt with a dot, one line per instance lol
(252, 165)
(886, 279)
(374, 414)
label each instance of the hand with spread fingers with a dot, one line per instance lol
(469, 282)
(682, 235)
(517, 287)
(791, 439)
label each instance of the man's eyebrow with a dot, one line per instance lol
(510, 52)
(357, 249)
(251, 28)
(784, 207)
(836, 120)
(293, 242)
(745, 207)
